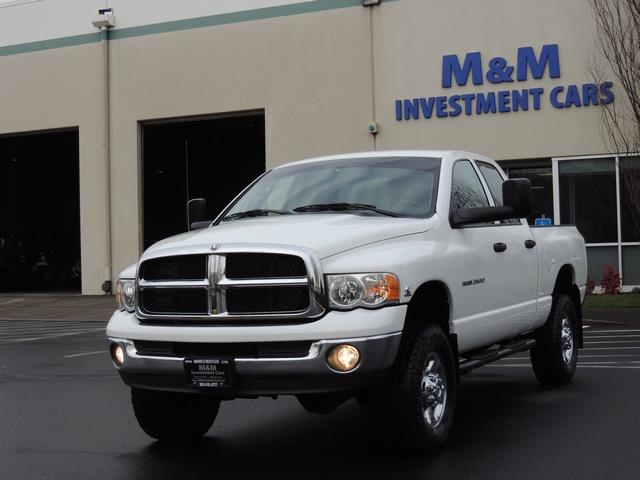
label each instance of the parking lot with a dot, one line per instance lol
(66, 414)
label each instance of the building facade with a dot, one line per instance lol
(105, 134)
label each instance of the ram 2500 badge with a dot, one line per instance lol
(383, 276)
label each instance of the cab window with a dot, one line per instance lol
(466, 188)
(494, 181)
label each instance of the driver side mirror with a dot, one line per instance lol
(197, 214)
(517, 199)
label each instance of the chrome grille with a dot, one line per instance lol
(239, 283)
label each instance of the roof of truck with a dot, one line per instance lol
(387, 153)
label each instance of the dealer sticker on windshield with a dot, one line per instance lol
(208, 372)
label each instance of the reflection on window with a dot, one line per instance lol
(588, 198)
(630, 198)
(466, 189)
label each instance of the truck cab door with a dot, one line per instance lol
(495, 289)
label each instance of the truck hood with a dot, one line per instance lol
(326, 234)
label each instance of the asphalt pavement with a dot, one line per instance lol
(65, 414)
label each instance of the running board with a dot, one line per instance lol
(491, 356)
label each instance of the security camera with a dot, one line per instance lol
(372, 128)
(105, 19)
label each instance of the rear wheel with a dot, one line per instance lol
(555, 355)
(423, 394)
(172, 416)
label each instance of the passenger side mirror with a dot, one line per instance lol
(197, 214)
(516, 195)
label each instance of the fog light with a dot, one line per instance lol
(117, 354)
(343, 358)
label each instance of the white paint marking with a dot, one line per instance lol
(612, 341)
(85, 354)
(584, 327)
(613, 348)
(611, 336)
(582, 366)
(614, 331)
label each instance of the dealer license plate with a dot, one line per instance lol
(208, 372)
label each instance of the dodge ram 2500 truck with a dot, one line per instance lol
(382, 276)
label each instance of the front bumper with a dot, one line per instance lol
(271, 376)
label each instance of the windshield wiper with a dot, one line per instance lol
(343, 207)
(257, 212)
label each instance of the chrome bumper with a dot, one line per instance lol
(271, 376)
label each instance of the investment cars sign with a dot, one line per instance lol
(498, 71)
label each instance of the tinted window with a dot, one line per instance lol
(466, 189)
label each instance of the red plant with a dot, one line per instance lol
(590, 285)
(610, 280)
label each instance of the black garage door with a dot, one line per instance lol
(214, 158)
(39, 212)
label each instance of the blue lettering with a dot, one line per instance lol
(451, 67)
(503, 101)
(486, 103)
(441, 106)
(455, 106)
(520, 100)
(536, 93)
(589, 94)
(527, 60)
(399, 110)
(573, 96)
(606, 93)
(554, 96)
(499, 71)
(411, 109)
(427, 107)
(468, 102)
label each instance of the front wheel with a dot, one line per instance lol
(172, 416)
(423, 394)
(555, 355)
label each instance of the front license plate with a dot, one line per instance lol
(208, 372)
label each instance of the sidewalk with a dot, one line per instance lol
(56, 307)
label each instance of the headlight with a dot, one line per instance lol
(126, 295)
(368, 290)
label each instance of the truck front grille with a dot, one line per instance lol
(295, 349)
(230, 285)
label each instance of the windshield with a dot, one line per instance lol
(396, 186)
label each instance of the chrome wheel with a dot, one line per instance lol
(434, 390)
(567, 340)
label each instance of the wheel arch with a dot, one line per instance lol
(565, 283)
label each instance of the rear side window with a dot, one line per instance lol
(466, 188)
(494, 181)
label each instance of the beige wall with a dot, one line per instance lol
(411, 38)
(55, 89)
(311, 75)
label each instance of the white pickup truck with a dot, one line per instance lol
(382, 276)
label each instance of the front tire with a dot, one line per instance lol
(555, 355)
(172, 416)
(423, 394)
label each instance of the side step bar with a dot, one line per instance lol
(491, 356)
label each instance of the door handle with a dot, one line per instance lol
(529, 243)
(499, 247)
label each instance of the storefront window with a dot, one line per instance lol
(542, 189)
(588, 198)
(630, 198)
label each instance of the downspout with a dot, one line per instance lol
(106, 84)
(104, 21)
(373, 127)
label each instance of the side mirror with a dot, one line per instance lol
(516, 193)
(197, 214)
(517, 199)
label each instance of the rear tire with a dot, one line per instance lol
(172, 416)
(423, 394)
(555, 355)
